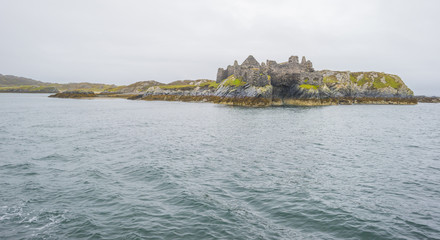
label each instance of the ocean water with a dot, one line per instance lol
(121, 169)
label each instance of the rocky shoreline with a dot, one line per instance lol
(291, 83)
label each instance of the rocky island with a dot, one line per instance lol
(287, 83)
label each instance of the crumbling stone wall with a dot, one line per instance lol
(273, 73)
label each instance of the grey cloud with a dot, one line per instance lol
(126, 41)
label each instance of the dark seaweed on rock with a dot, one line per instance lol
(74, 94)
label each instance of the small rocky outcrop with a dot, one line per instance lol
(181, 89)
(74, 94)
(425, 99)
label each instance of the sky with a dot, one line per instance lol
(125, 41)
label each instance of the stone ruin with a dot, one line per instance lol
(277, 74)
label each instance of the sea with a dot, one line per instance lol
(129, 169)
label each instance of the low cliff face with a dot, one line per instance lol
(333, 84)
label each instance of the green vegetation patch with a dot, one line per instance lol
(28, 88)
(363, 81)
(376, 82)
(308, 86)
(18, 87)
(355, 76)
(95, 87)
(353, 79)
(330, 79)
(392, 82)
(178, 87)
(232, 81)
(115, 89)
(209, 84)
(365, 78)
(306, 80)
(96, 90)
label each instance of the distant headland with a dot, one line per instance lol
(248, 84)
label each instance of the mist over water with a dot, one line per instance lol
(120, 169)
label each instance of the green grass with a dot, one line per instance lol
(391, 81)
(376, 82)
(306, 80)
(95, 90)
(364, 80)
(189, 87)
(115, 89)
(209, 84)
(232, 81)
(17, 87)
(353, 79)
(309, 86)
(330, 79)
(178, 87)
(27, 88)
(95, 87)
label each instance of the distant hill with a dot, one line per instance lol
(9, 80)
(84, 86)
(134, 88)
(10, 83)
(139, 87)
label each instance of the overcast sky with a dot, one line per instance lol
(125, 41)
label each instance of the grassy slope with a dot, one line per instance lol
(9, 80)
(10, 83)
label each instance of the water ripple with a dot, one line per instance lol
(117, 169)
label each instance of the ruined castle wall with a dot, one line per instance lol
(278, 74)
(221, 75)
